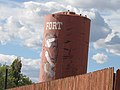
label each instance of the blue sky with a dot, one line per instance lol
(21, 30)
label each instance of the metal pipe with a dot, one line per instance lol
(6, 72)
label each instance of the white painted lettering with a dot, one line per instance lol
(50, 25)
(59, 25)
(47, 25)
(54, 25)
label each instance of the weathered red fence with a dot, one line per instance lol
(99, 80)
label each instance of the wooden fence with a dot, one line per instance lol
(98, 80)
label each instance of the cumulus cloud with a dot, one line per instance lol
(111, 43)
(25, 23)
(99, 44)
(22, 24)
(6, 59)
(30, 67)
(101, 4)
(100, 58)
(99, 28)
(114, 49)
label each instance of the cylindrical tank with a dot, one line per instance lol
(65, 46)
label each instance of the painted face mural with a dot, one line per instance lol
(50, 54)
(50, 40)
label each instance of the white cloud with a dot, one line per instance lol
(99, 28)
(114, 49)
(6, 59)
(25, 22)
(30, 67)
(100, 58)
(111, 43)
(101, 4)
(99, 44)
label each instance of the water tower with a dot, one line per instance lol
(65, 46)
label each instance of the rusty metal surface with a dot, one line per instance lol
(65, 46)
(117, 80)
(99, 80)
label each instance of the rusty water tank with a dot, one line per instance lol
(65, 46)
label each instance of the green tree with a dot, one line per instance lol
(16, 70)
(15, 77)
(24, 80)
